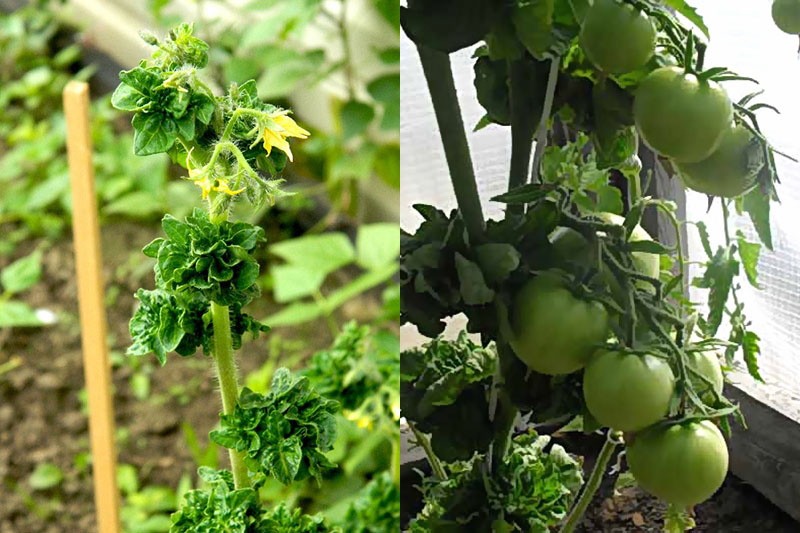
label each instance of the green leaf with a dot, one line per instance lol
(691, 14)
(703, 231)
(355, 118)
(391, 55)
(46, 476)
(377, 245)
(22, 273)
(448, 25)
(756, 205)
(749, 253)
(292, 282)
(297, 313)
(15, 314)
(322, 253)
(390, 11)
(284, 460)
(154, 133)
(525, 194)
(751, 350)
(718, 277)
(474, 290)
(286, 69)
(386, 91)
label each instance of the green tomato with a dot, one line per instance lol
(617, 37)
(707, 364)
(569, 244)
(682, 464)
(786, 14)
(627, 392)
(725, 172)
(554, 332)
(680, 116)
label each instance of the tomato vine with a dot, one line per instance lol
(571, 241)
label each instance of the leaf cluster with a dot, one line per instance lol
(377, 508)
(210, 259)
(532, 490)
(284, 433)
(220, 507)
(357, 367)
(444, 392)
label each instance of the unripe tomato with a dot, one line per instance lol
(786, 14)
(570, 244)
(725, 172)
(683, 464)
(707, 364)
(627, 392)
(553, 331)
(680, 116)
(617, 37)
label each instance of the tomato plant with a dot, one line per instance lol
(233, 146)
(683, 464)
(579, 313)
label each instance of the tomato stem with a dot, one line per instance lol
(541, 135)
(229, 388)
(439, 76)
(589, 490)
(522, 130)
(425, 444)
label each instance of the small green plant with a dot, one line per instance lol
(311, 259)
(233, 147)
(14, 279)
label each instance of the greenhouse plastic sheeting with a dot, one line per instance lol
(775, 309)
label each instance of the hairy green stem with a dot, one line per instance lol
(395, 467)
(228, 383)
(589, 490)
(547, 108)
(439, 75)
(522, 131)
(425, 444)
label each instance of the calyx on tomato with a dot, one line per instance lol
(682, 464)
(728, 171)
(627, 391)
(554, 332)
(680, 116)
(786, 15)
(617, 37)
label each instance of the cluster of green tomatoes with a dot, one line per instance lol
(554, 332)
(681, 115)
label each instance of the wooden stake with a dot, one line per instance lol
(88, 262)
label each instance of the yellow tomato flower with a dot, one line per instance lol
(361, 420)
(276, 138)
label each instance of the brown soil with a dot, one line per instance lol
(41, 413)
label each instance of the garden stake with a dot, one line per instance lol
(97, 371)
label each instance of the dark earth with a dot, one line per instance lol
(41, 413)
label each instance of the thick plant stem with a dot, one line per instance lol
(547, 108)
(439, 75)
(505, 413)
(595, 478)
(395, 458)
(522, 131)
(228, 383)
(422, 441)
